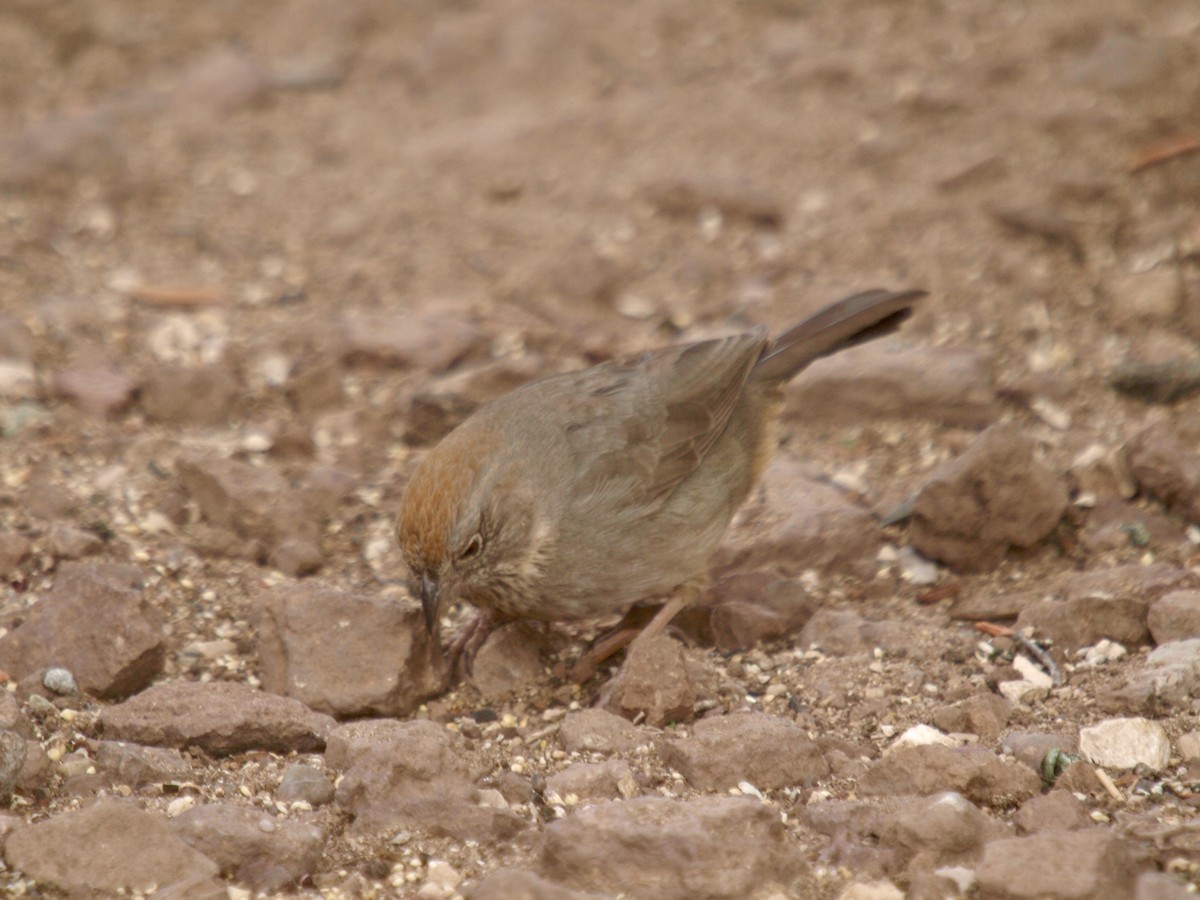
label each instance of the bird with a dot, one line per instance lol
(582, 494)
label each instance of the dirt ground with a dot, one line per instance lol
(259, 231)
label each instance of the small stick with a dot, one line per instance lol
(1107, 782)
(178, 296)
(1159, 153)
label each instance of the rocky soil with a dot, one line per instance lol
(255, 258)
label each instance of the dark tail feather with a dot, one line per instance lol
(853, 320)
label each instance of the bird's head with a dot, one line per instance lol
(469, 526)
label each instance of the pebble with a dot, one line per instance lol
(1126, 743)
(60, 681)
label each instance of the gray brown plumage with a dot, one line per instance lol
(580, 494)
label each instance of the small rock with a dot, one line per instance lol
(182, 395)
(135, 765)
(14, 548)
(921, 736)
(1167, 680)
(95, 621)
(65, 542)
(508, 662)
(598, 731)
(952, 385)
(799, 524)
(1161, 886)
(13, 753)
(100, 391)
(975, 773)
(258, 849)
(1175, 617)
(255, 502)
(673, 849)
(746, 608)
(519, 884)
(1126, 743)
(306, 784)
(1188, 746)
(1102, 472)
(767, 751)
(60, 681)
(220, 718)
(945, 828)
(1166, 469)
(993, 497)
(653, 681)
(985, 715)
(430, 339)
(413, 775)
(110, 847)
(733, 198)
(346, 654)
(606, 780)
(1056, 811)
(1100, 865)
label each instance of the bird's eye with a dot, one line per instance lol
(472, 547)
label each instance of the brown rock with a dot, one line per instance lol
(1056, 811)
(109, 847)
(983, 714)
(1146, 583)
(414, 775)
(1161, 886)
(179, 395)
(654, 681)
(346, 654)
(37, 770)
(942, 384)
(800, 524)
(95, 622)
(316, 386)
(977, 774)
(1168, 679)
(748, 607)
(218, 717)
(606, 780)
(430, 339)
(946, 829)
(655, 847)
(100, 391)
(1175, 617)
(1100, 866)
(14, 548)
(135, 765)
(1167, 470)
(254, 502)
(843, 632)
(1073, 624)
(689, 196)
(519, 884)
(261, 850)
(598, 731)
(13, 754)
(307, 783)
(508, 662)
(993, 497)
(767, 751)
(66, 542)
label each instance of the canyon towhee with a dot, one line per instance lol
(581, 494)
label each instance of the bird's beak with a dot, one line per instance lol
(429, 601)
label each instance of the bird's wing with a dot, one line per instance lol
(641, 425)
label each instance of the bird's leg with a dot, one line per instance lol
(627, 632)
(468, 641)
